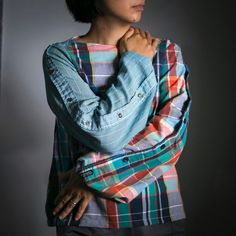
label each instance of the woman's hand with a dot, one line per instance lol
(138, 41)
(74, 192)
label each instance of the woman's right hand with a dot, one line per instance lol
(138, 41)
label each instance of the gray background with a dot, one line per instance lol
(203, 29)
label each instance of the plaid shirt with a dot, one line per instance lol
(121, 121)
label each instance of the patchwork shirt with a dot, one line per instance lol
(121, 122)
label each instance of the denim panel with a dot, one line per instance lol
(100, 121)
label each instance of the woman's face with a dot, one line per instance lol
(123, 10)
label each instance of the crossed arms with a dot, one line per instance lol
(130, 148)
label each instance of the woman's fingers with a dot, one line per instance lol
(141, 32)
(70, 195)
(83, 204)
(69, 206)
(60, 202)
(148, 36)
(129, 32)
(155, 42)
(145, 34)
(136, 31)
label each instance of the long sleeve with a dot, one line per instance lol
(103, 124)
(150, 153)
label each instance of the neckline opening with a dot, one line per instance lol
(91, 44)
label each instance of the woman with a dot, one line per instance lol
(115, 60)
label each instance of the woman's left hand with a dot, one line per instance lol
(74, 192)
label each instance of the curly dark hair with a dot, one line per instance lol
(84, 11)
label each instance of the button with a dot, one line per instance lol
(185, 120)
(69, 99)
(87, 122)
(140, 95)
(162, 146)
(125, 159)
(120, 115)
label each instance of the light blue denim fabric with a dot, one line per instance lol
(108, 124)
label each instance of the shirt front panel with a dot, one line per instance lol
(158, 203)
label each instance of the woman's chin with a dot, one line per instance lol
(135, 18)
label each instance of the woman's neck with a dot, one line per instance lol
(105, 33)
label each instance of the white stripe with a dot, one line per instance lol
(179, 205)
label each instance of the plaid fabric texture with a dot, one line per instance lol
(137, 184)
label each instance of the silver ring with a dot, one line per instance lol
(74, 203)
